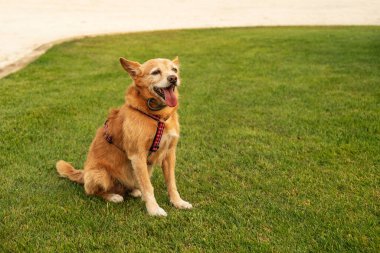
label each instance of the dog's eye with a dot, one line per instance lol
(156, 72)
(175, 70)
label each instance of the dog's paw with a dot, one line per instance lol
(115, 198)
(181, 204)
(158, 211)
(135, 193)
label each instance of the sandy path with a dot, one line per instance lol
(29, 27)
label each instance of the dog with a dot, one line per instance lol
(142, 133)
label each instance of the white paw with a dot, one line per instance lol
(135, 193)
(181, 204)
(115, 198)
(158, 211)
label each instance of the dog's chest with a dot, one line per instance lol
(167, 139)
(171, 134)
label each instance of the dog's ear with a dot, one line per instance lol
(176, 61)
(132, 67)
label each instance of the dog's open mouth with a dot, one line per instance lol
(167, 94)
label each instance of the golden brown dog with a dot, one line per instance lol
(120, 158)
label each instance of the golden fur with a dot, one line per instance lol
(112, 169)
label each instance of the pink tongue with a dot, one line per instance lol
(170, 98)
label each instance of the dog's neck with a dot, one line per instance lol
(136, 100)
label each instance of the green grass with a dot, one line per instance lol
(279, 149)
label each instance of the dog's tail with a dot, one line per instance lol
(65, 169)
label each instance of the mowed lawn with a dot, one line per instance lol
(279, 148)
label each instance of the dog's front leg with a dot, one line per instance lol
(140, 169)
(168, 166)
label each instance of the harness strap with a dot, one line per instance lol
(159, 131)
(152, 116)
(157, 137)
(108, 136)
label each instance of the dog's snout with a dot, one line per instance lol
(172, 79)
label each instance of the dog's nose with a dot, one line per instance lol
(172, 79)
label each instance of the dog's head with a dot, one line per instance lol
(156, 78)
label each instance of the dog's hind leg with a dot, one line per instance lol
(136, 193)
(99, 182)
(112, 197)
